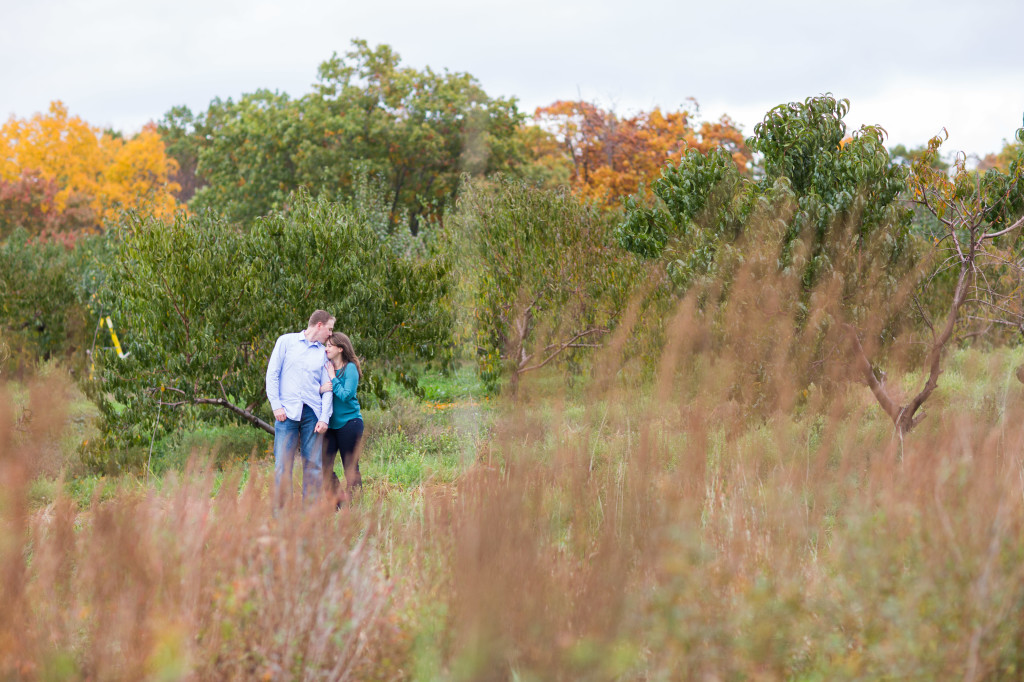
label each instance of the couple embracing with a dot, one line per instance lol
(311, 385)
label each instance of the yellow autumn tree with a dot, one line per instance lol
(105, 173)
(138, 176)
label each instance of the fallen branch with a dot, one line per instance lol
(247, 416)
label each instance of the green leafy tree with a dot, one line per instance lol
(183, 134)
(200, 304)
(908, 157)
(246, 156)
(834, 210)
(541, 276)
(422, 129)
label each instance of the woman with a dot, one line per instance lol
(345, 429)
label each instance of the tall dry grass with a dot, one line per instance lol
(733, 521)
(180, 584)
(727, 521)
(689, 543)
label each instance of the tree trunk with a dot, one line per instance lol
(905, 417)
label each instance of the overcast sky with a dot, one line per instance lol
(912, 67)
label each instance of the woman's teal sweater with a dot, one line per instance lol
(343, 386)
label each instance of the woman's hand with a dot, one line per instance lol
(325, 388)
(329, 366)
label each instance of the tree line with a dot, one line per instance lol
(417, 131)
(440, 227)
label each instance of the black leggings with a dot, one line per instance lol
(344, 440)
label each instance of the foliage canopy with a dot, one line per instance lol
(610, 156)
(45, 293)
(418, 130)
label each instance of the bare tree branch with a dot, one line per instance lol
(568, 344)
(177, 404)
(1011, 228)
(924, 314)
(247, 416)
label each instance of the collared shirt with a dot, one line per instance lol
(294, 376)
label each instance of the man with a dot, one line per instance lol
(294, 376)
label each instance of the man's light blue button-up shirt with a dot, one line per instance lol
(294, 376)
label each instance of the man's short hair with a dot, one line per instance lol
(319, 317)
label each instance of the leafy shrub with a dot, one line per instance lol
(816, 245)
(202, 302)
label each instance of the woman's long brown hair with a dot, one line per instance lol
(348, 354)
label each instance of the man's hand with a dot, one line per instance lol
(279, 414)
(321, 427)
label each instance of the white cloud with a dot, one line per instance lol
(911, 66)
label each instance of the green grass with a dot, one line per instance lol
(461, 384)
(409, 444)
(413, 442)
(397, 459)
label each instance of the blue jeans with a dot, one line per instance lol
(291, 436)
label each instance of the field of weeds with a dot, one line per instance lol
(622, 528)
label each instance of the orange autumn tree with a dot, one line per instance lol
(611, 156)
(80, 176)
(1001, 161)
